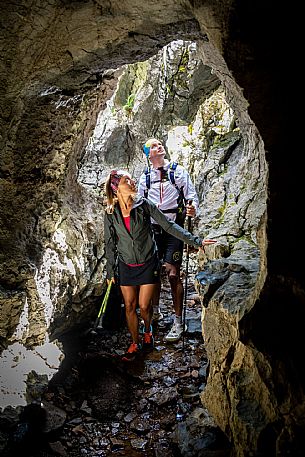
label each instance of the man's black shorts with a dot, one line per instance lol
(170, 249)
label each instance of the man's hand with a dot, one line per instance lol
(190, 210)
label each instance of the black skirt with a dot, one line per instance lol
(149, 273)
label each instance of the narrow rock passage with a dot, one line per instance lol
(150, 407)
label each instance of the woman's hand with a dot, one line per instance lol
(207, 242)
(110, 280)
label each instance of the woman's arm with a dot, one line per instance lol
(171, 227)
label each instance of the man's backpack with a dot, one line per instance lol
(170, 176)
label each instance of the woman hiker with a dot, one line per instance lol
(130, 246)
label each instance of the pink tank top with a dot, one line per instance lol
(127, 225)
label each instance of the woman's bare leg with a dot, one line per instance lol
(130, 294)
(145, 303)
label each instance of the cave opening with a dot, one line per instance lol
(220, 154)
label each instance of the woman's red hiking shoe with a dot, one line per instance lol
(133, 350)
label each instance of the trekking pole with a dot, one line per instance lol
(189, 228)
(146, 150)
(102, 310)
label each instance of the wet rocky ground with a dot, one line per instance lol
(101, 406)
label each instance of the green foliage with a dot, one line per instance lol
(178, 80)
(189, 143)
(222, 209)
(128, 107)
(219, 218)
(190, 129)
(226, 140)
(169, 90)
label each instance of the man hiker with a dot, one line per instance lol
(169, 186)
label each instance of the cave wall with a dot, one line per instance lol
(56, 55)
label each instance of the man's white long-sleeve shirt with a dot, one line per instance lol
(163, 193)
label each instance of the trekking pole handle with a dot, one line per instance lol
(189, 218)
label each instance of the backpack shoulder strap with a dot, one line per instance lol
(171, 172)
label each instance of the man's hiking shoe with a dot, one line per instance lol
(175, 332)
(157, 315)
(148, 340)
(132, 352)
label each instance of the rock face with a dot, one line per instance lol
(60, 73)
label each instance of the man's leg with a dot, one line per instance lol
(159, 235)
(173, 260)
(177, 290)
(156, 301)
(173, 273)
